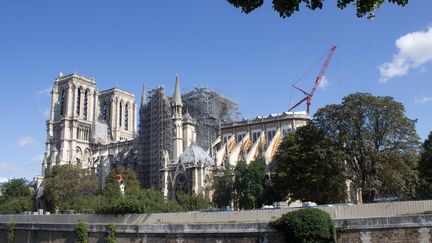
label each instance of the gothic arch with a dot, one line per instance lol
(78, 155)
(181, 184)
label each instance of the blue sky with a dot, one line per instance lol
(252, 58)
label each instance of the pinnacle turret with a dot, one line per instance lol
(177, 95)
(143, 97)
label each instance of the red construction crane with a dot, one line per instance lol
(309, 95)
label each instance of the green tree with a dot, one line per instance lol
(129, 178)
(15, 205)
(192, 202)
(135, 200)
(223, 190)
(307, 225)
(111, 236)
(10, 227)
(309, 168)
(249, 184)
(65, 186)
(424, 190)
(16, 197)
(82, 232)
(378, 141)
(16, 188)
(286, 8)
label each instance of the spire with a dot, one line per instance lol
(177, 95)
(143, 97)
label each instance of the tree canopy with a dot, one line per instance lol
(249, 180)
(66, 185)
(286, 8)
(309, 168)
(18, 187)
(223, 190)
(378, 141)
(16, 197)
(424, 190)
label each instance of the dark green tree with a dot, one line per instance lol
(424, 190)
(286, 8)
(16, 197)
(65, 186)
(129, 178)
(223, 190)
(135, 199)
(16, 188)
(249, 184)
(307, 225)
(378, 141)
(192, 202)
(309, 168)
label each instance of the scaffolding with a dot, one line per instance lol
(209, 109)
(156, 129)
(156, 134)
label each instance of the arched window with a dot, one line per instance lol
(62, 98)
(104, 111)
(85, 105)
(78, 102)
(120, 114)
(126, 123)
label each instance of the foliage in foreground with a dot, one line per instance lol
(68, 186)
(309, 168)
(249, 180)
(378, 141)
(306, 225)
(16, 197)
(82, 232)
(111, 237)
(286, 8)
(10, 232)
(192, 202)
(424, 190)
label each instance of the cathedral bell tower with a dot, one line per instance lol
(176, 106)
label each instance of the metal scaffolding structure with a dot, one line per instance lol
(156, 127)
(155, 136)
(209, 109)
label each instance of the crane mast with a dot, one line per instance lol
(308, 96)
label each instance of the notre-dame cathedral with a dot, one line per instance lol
(183, 140)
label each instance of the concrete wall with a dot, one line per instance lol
(383, 222)
(383, 229)
(218, 233)
(386, 229)
(267, 215)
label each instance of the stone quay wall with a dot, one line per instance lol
(381, 222)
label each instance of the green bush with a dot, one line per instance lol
(82, 232)
(10, 232)
(306, 225)
(111, 238)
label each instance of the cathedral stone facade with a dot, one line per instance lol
(174, 150)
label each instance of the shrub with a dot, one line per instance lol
(111, 238)
(82, 232)
(10, 232)
(306, 225)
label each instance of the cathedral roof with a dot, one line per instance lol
(194, 154)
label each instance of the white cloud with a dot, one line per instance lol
(3, 179)
(27, 142)
(423, 100)
(44, 92)
(414, 50)
(324, 83)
